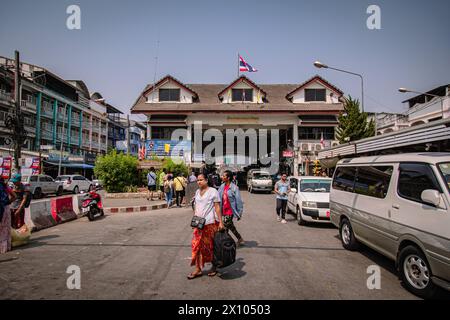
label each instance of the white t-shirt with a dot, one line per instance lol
(204, 205)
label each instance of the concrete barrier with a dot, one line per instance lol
(62, 209)
(39, 215)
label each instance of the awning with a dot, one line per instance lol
(72, 165)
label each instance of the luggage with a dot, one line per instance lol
(224, 249)
(20, 237)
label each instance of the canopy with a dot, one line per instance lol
(72, 165)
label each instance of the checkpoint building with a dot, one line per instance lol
(304, 114)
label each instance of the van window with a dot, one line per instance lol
(344, 178)
(33, 179)
(415, 178)
(444, 168)
(373, 181)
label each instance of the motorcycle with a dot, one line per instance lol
(92, 206)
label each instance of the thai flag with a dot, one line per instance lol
(141, 151)
(322, 142)
(244, 66)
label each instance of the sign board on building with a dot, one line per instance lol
(55, 155)
(89, 158)
(47, 147)
(288, 153)
(167, 148)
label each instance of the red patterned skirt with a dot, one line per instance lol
(203, 245)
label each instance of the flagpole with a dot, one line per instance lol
(238, 66)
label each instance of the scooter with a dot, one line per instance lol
(92, 207)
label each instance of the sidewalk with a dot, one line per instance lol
(132, 205)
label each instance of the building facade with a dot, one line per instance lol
(421, 109)
(57, 113)
(303, 115)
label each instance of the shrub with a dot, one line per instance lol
(117, 171)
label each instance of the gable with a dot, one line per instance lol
(186, 94)
(316, 82)
(242, 82)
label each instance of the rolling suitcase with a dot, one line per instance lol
(224, 249)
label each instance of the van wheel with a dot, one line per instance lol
(76, 190)
(300, 221)
(415, 272)
(348, 239)
(59, 192)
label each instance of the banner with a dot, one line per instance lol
(167, 148)
(5, 167)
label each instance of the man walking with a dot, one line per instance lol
(231, 204)
(151, 183)
(282, 189)
(180, 184)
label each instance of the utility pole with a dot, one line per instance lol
(128, 134)
(17, 134)
(62, 140)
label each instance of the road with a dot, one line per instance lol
(147, 255)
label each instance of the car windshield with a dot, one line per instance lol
(62, 178)
(261, 176)
(315, 185)
(444, 168)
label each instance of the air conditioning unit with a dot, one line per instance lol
(334, 143)
(305, 147)
(318, 147)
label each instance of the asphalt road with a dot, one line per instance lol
(147, 255)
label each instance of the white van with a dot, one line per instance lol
(398, 205)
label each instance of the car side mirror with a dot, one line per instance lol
(294, 190)
(431, 196)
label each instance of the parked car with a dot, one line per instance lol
(258, 180)
(309, 199)
(75, 183)
(98, 184)
(41, 184)
(399, 205)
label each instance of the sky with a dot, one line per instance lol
(122, 44)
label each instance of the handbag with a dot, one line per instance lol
(198, 222)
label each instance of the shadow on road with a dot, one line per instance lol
(234, 271)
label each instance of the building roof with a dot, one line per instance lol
(313, 79)
(241, 79)
(208, 101)
(439, 91)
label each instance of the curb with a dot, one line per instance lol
(112, 210)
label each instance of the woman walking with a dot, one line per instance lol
(168, 190)
(6, 197)
(207, 205)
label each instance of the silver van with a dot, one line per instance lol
(399, 205)
(259, 180)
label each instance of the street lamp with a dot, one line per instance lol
(320, 65)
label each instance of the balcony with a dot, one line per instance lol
(86, 142)
(75, 121)
(74, 139)
(95, 145)
(47, 134)
(392, 120)
(28, 105)
(6, 97)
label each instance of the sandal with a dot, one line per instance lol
(194, 275)
(212, 273)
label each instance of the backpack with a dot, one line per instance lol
(166, 187)
(4, 200)
(224, 250)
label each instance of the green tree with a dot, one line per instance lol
(117, 171)
(353, 123)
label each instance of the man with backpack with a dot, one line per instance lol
(180, 184)
(151, 183)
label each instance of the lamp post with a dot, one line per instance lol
(405, 90)
(319, 65)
